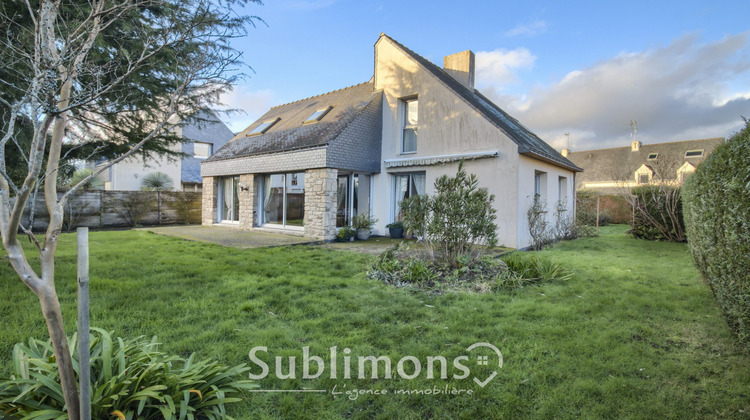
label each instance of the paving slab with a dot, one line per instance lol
(229, 236)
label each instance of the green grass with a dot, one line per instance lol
(634, 333)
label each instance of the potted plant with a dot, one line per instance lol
(396, 230)
(363, 223)
(346, 234)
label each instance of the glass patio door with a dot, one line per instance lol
(229, 199)
(284, 199)
(353, 197)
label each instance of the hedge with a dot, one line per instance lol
(717, 216)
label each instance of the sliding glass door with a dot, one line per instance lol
(284, 199)
(353, 197)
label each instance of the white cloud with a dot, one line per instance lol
(498, 67)
(678, 92)
(250, 105)
(528, 29)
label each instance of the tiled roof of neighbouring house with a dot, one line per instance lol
(206, 127)
(528, 142)
(291, 132)
(606, 165)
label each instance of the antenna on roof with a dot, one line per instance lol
(634, 125)
(567, 142)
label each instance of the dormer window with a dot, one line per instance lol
(263, 127)
(411, 120)
(318, 115)
(694, 153)
(653, 156)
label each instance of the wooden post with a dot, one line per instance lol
(597, 215)
(84, 368)
(101, 209)
(158, 207)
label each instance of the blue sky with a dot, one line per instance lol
(681, 69)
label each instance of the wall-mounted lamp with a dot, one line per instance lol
(243, 187)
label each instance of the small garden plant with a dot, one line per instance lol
(131, 379)
(457, 222)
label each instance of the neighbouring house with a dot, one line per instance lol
(203, 137)
(611, 170)
(309, 166)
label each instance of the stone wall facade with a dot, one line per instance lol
(247, 201)
(208, 207)
(320, 203)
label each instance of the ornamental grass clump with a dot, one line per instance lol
(130, 379)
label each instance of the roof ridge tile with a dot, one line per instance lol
(322, 94)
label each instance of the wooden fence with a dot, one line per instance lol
(104, 209)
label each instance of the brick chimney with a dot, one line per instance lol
(635, 146)
(461, 67)
(565, 152)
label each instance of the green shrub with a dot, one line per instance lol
(605, 217)
(717, 218)
(345, 233)
(457, 221)
(127, 376)
(658, 213)
(364, 221)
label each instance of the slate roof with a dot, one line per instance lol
(606, 165)
(528, 142)
(291, 133)
(206, 128)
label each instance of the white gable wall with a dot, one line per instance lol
(128, 174)
(526, 173)
(447, 126)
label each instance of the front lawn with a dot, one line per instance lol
(634, 334)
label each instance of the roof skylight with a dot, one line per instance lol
(694, 153)
(318, 114)
(263, 127)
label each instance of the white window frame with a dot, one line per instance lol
(562, 192)
(210, 149)
(405, 126)
(540, 186)
(394, 192)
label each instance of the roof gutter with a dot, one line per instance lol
(543, 158)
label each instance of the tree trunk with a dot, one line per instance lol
(53, 317)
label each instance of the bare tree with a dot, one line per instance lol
(657, 203)
(102, 72)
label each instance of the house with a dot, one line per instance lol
(204, 135)
(609, 170)
(309, 166)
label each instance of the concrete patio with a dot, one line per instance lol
(229, 236)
